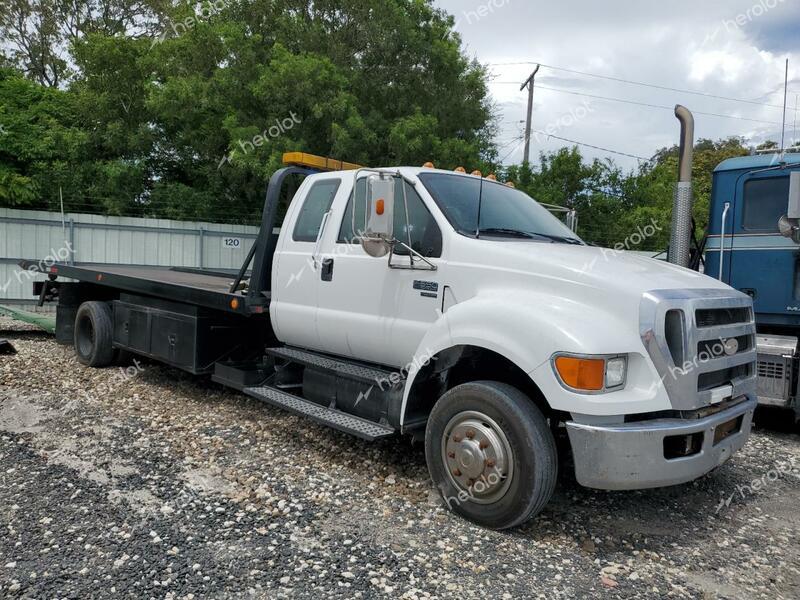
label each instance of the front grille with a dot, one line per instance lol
(685, 334)
(771, 370)
(715, 317)
(715, 379)
(709, 349)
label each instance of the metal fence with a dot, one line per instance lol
(95, 239)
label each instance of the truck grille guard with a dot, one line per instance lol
(700, 341)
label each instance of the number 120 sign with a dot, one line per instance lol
(230, 242)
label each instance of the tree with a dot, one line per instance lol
(39, 33)
(38, 137)
(612, 206)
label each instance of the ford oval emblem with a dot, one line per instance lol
(731, 346)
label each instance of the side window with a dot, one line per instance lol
(317, 203)
(765, 202)
(426, 237)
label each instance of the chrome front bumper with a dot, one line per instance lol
(632, 456)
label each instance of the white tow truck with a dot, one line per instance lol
(455, 309)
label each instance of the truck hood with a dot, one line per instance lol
(602, 269)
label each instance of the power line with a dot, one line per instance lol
(514, 149)
(646, 104)
(641, 83)
(539, 131)
(563, 139)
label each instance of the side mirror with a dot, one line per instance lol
(789, 225)
(378, 234)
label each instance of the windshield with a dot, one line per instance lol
(504, 211)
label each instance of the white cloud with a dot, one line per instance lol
(711, 46)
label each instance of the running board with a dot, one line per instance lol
(349, 369)
(362, 428)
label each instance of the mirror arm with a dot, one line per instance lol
(412, 252)
(322, 225)
(408, 222)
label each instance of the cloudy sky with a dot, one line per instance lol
(728, 48)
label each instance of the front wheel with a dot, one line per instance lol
(491, 454)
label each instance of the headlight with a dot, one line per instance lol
(591, 373)
(616, 369)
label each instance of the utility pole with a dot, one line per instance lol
(529, 85)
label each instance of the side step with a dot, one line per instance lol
(351, 370)
(362, 428)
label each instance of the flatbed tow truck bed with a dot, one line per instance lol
(210, 289)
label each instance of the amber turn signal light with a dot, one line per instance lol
(586, 374)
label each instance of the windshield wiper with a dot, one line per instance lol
(512, 233)
(562, 238)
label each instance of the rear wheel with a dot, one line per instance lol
(94, 334)
(491, 454)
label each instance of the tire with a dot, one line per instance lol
(494, 427)
(94, 334)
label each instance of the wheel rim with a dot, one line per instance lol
(477, 457)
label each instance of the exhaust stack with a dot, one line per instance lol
(682, 206)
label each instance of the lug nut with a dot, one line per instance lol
(451, 455)
(470, 434)
(457, 438)
(490, 463)
(457, 472)
(483, 445)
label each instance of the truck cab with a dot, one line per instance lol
(481, 303)
(746, 249)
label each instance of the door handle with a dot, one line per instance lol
(327, 269)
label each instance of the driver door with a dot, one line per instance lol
(762, 262)
(368, 310)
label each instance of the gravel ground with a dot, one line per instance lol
(159, 485)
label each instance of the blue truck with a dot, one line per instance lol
(752, 244)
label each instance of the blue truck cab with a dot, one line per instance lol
(745, 249)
